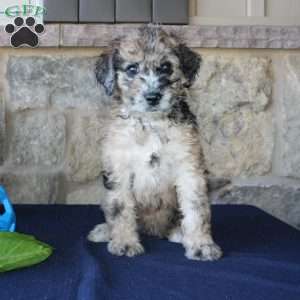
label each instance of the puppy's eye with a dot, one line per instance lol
(132, 70)
(165, 68)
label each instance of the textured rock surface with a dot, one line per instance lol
(31, 188)
(37, 82)
(229, 36)
(91, 194)
(280, 201)
(84, 162)
(38, 139)
(289, 113)
(51, 36)
(233, 95)
(2, 129)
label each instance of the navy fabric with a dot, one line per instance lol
(261, 261)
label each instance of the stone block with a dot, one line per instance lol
(2, 129)
(288, 160)
(38, 139)
(51, 36)
(227, 32)
(231, 99)
(32, 188)
(38, 82)
(279, 200)
(84, 155)
(90, 194)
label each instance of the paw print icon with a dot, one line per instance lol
(24, 32)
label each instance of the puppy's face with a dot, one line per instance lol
(148, 80)
(148, 72)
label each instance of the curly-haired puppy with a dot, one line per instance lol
(153, 171)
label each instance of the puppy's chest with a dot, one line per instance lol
(151, 143)
(147, 150)
(151, 159)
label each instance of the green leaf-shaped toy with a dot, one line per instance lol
(20, 250)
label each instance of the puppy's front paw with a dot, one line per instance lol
(128, 249)
(175, 235)
(205, 252)
(99, 234)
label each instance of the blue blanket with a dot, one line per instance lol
(261, 261)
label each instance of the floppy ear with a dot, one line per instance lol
(189, 63)
(105, 72)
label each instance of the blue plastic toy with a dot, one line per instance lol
(7, 214)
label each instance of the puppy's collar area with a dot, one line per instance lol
(147, 125)
(174, 81)
(124, 114)
(153, 115)
(165, 82)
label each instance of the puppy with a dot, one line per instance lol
(153, 168)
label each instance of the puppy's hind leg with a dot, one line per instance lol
(100, 234)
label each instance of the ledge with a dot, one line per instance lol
(202, 36)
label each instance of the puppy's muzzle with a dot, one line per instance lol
(153, 99)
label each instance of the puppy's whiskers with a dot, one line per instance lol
(167, 82)
(174, 81)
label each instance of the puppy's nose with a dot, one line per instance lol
(153, 98)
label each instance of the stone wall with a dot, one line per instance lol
(247, 103)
